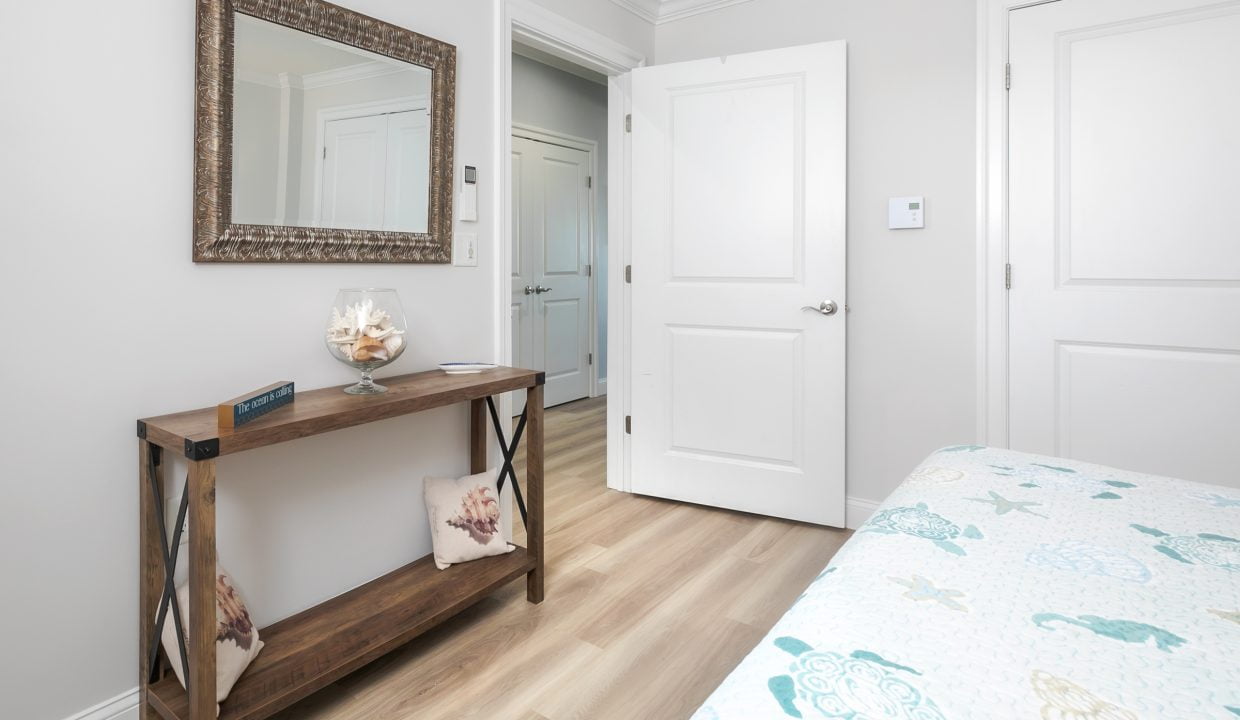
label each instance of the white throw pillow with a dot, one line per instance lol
(236, 638)
(465, 518)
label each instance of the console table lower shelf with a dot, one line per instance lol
(309, 650)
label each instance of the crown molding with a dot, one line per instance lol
(312, 81)
(661, 11)
(647, 10)
(351, 73)
(255, 77)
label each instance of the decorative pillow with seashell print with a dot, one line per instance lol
(465, 518)
(236, 638)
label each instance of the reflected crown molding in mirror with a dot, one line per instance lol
(216, 237)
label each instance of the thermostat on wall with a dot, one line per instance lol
(906, 212)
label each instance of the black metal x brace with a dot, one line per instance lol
(510, 452)
(169, 553)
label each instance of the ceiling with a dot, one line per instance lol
(661, 11)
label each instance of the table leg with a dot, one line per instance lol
(150, 569)
(202, 580)
(534, 491)
(477, 436)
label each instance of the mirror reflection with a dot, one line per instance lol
(326, 134)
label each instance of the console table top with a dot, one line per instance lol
(198, 435)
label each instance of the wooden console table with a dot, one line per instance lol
(307, 651)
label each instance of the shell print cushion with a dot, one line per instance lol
(236, 638)
(465, 518)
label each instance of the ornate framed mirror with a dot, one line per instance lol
(321, 135)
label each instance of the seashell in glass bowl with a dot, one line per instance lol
(366, 330)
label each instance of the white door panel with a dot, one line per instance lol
(354, 172)
(1125, 337)
(551, 249)
(407, 202)
(744, 189)
(703, 359)
(562, 337)
(738, 393)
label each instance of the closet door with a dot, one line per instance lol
(551, 252)
(1125, 298)
(407, 199)
(354, 173)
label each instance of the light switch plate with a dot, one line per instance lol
(465, 250)
(467, 211)
(905, 213)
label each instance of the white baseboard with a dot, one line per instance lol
(858, 510)
(121, 707)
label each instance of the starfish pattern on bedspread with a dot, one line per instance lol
(1003, 506)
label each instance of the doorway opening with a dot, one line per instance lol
(559, 237)
(558, 197)
(561, 105)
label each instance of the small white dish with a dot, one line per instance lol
(462, 368)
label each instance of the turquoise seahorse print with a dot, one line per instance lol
(1125, 630)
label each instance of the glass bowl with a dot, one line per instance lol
(366, 330)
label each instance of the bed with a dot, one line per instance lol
(995, 584)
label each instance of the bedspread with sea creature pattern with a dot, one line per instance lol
(994, 585)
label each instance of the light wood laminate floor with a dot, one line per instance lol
(649, 604)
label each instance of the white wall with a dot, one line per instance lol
(912, 108)
(256, 152)
(552, 99)
(96, 276)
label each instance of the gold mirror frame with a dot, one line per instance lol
(216, 238)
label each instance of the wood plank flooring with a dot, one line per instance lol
(649, 605)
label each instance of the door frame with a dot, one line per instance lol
(537, 27)
(590, 147)
(993, 18)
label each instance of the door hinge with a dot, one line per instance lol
(628, 123)
(589, 358)
(628, 274)
(324, 152)
(1007, 276)
(628, 424)
(1007, 76)
(590, 181)
(589, 270)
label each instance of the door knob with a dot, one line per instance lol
(827, 307)
(529, 290)
(540, 289)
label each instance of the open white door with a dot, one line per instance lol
(738, 190)
(1125, 299)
